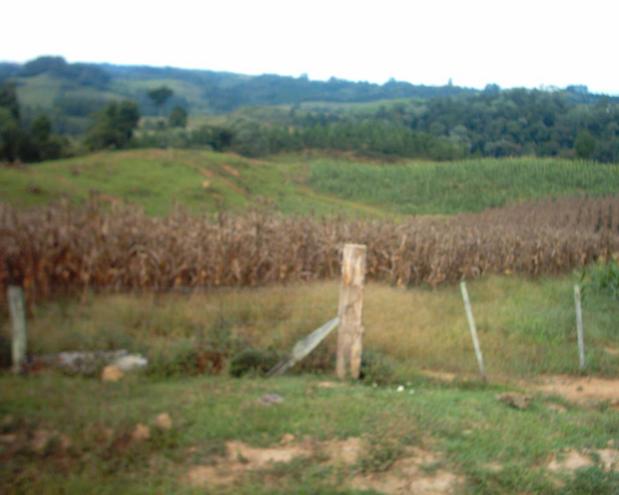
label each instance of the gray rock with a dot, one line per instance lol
(130, 362)
(91, 362)
(84, 362)
(270, 399)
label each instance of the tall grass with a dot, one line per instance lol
(526, 327)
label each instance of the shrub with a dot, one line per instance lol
(253, 361)
(185, 358)
(377, 368)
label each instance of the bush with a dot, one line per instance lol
(253, 361)
(185, 358)
(377, 368)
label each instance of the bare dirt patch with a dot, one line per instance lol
(327, 384)
(231, 170)
(260, 458)
(570, 461)
(415, 473)
(582, 390)
(556, 407)
(343, 452)
(441, 376)
(493, 467)
(412, 474)
(212, 475)
(242, 458)
(607, 459)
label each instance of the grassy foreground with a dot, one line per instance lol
(395, 432)
(301, 184)
(74, 436)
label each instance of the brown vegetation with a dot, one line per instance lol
(121, 248)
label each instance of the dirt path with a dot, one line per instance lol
(583, 390)
(580, 390)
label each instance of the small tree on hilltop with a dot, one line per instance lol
(159, 96)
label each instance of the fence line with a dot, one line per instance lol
(349, 318)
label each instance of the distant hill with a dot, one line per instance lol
(75, 90)
(270, 114)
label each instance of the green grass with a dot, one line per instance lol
(466, 428)
(201, 181)
(452, 187)
(205, 181)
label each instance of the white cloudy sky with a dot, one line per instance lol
(474, 42)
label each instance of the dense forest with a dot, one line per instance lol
(108, 106)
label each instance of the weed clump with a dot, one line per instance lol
(253, 361)
(377, 368)
(186, 358)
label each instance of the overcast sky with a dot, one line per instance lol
(474, 42)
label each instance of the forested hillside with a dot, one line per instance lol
(267, 114)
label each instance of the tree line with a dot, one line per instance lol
(491, 123)
(495, 123)
(111, 127)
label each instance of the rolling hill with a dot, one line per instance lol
(201, 180)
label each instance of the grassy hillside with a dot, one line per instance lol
(158, 179)
(209, 181)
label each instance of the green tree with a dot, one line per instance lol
(10, 131)
(584, 144)
(10, 135)
(8, 99)
(40, 144)
(160, 95)
(114, 126)
(178, 117)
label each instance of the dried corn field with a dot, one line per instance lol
(64, 248)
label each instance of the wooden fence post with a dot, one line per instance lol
(18, 323)
(350, 331)
(579, 328)
(473, 329)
